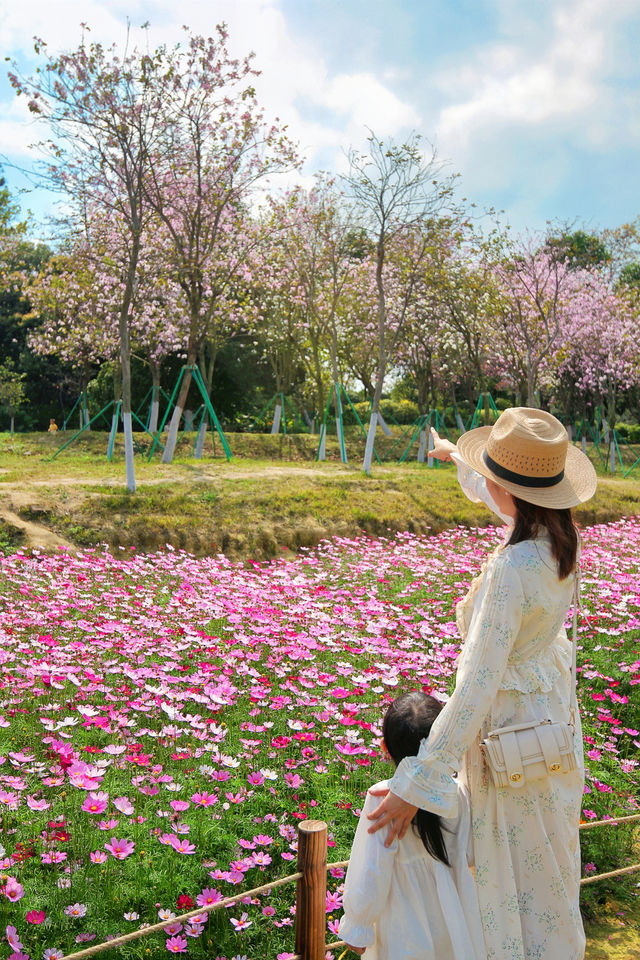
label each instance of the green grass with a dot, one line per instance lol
(248, 507)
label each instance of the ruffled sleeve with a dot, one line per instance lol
(368, 880)
(426, 781)
(474, 487)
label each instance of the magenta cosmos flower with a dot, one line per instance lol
(205, 799)
(96, 803)
(208, 896)
(120, 849)
(35, 916)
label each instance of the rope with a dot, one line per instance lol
(157, 927)
(229, 901)
(612, 873)
(612, 820)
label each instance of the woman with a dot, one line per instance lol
(515, 667)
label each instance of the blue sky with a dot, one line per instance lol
(534, 102)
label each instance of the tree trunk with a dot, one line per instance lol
(125, 358)
(154, 410)
(317, 369)
(207, 366)
(382, 361)
(125, 363)
(12, 425)
(202, 435)
(336, 397)
(176, 416)
(611, 405)
(531, 384)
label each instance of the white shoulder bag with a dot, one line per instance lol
(523, 752)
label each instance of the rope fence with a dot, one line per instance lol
(311, 879)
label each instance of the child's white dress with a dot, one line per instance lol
(402, 904)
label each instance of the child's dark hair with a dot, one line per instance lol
(406, 723)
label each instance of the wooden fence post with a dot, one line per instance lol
(311, 892)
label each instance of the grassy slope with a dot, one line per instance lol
(253, 507)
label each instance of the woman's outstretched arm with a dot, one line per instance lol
(426, 781)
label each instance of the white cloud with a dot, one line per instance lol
(324, 113)
(529, 83)
(549, 83)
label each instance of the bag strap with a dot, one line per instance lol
(573, 703)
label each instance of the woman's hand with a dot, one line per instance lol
(395, 812)
(358, 950)
(442, 449)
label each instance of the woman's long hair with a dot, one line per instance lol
(406, 723)
(560, 526)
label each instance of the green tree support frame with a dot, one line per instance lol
(280, 398)
(431, 419)
(340, 391)
(199, 382)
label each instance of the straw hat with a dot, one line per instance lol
(527, 452)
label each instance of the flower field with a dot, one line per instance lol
(165, 722)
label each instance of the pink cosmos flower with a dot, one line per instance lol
(76, 910)
(95, 803)
(333, 902)
(177, 945)
(35, 916)
(108, 824)
(205, 799)
(18, 955)
(53, 953)
(13, 890)
(194, 929)
(55, 856)
(13, 939)
(182, 846)
(124, 805)
(242, 924)
(261, 858)
(120, 849)
(208, 896)
(263, 840)
(35, 804)
(179, 805)
(98, 856)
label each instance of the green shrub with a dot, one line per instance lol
(394, 411)
(629, 432)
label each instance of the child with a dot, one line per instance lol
(416, 899)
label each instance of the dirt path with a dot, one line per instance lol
(36, 536)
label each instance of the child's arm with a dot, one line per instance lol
(368, 881)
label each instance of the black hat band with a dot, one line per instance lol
(520, 478)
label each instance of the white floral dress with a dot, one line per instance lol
(515, 666)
